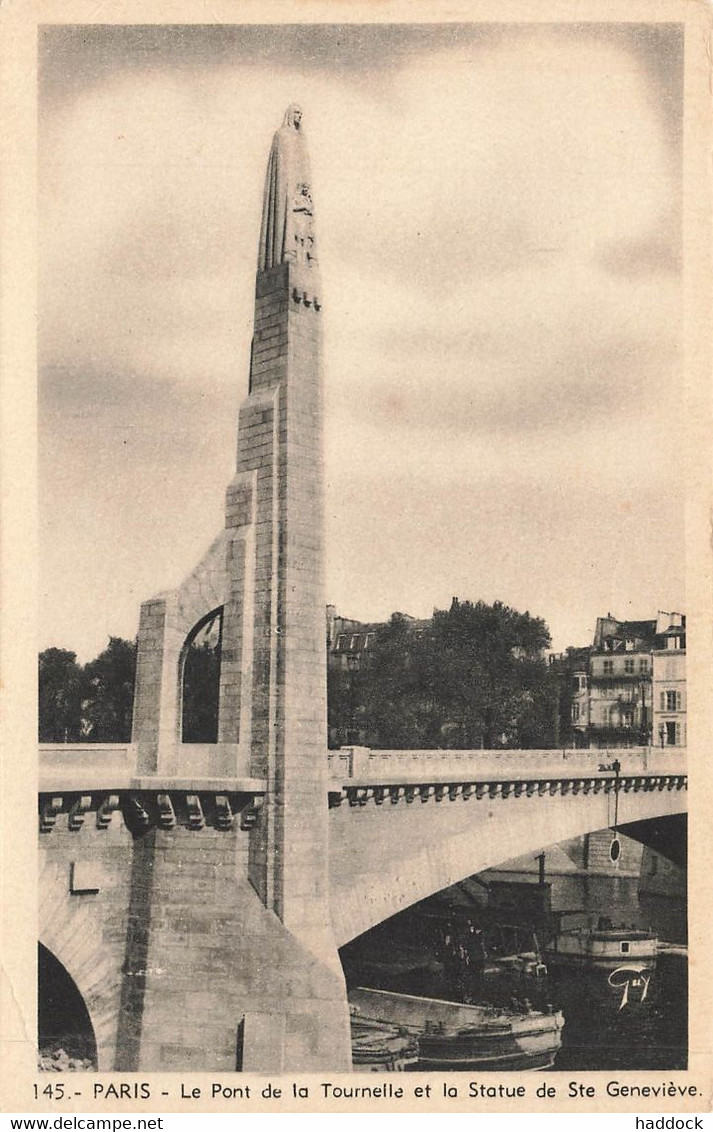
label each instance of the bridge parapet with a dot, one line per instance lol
(77, 766)
(364, 765)
(95, 780)
(87, 759)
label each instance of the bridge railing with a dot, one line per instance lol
(367, 765)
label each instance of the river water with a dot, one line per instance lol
(606, 1028)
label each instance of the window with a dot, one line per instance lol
(653, 865)
(672, 733)
(341, 642)
(607, 667)
(672, 702)
(625, 945)
(676, 642)
(575, 712)
(644, 664)
(628, 664)
(368, 639)
(354, 643)
(629, 646)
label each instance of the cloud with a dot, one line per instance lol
(498, 224)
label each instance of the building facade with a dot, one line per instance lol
(669, 686)
(628, 688)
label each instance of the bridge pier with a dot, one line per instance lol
(213, 981)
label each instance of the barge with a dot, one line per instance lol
(466, 1036)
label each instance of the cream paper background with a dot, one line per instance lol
(19, 546)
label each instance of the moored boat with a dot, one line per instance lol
(460, 1036)
(606, 949)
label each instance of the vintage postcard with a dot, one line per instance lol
(356, 563)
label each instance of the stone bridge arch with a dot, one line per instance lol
(64, 1022)
(387, 852)
(70, 932)
(84, 917)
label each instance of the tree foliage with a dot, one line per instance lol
(109, 693)
(91, 703)
(476, 677)
(60, 696)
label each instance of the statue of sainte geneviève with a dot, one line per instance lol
(287, 232)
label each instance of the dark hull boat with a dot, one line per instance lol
(461, 1036)
(522, 1043)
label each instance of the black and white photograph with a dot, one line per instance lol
(363, 594)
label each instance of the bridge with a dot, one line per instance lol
(407, 824)
(193, 896)
(402, 825)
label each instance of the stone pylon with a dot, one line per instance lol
(278, 982)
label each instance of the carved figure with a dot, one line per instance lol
(287, 230)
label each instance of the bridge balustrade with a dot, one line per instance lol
(83, 765)
(364, 764)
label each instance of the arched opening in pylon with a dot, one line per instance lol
(65, 1035)
(200, 680)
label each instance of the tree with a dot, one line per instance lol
(475, 678)
(341, 697)
(398, 688)
(108, 693)
(60, 696)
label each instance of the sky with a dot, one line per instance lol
(498, 220)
